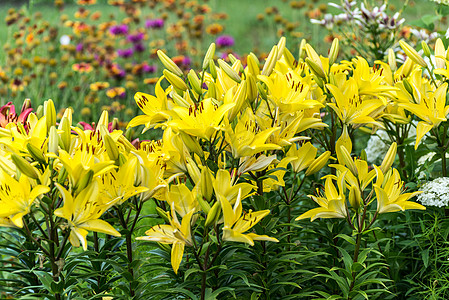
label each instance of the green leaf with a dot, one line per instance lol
(425, 257)
(45, 279)
(347, 238)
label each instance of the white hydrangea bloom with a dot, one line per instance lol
(435, 193)
(376, 147)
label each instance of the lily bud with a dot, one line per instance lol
(355, 198)
(179, 100)
(211, 91)
(253, 65)
(392, 60)
(62, 176)
(251, 88)
(163, 214)
(229, 71)
(39, 111)
(53, 140)
(104, 119)
(262, 91)
(389, 158)
(289, 58)
(213, 69)
(407, 67)
(36, 153)
(347, 160)
(84, 181)
(412, 54)
(207, 187)
(440, 51)
(205, 206)
(193, 170)
(213, 214)
(26, 104)
(50, 113)
(121, 159)
(175, 80)
(408, 86)
(24, 166)
(191, 143)
(318, 163)
(194, 82)
(425, 48)
(281, 47)
(168, 63)
(315, 68)
(239, 99)
(302, 49)
(333, 52)
(209, 56)
(111, 147)
(66, 135)
(270, 62)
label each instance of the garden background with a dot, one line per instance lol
(175, 149)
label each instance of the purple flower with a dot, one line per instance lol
(224, 41)
(125, 53)
(135, 38)
(156, 23)
(139, 47)
(119, 29)
(148, 69)
(79, 47)
(186, 61)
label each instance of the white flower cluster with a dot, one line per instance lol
(362, 16)
(445, 2)
(435, 193)
(376, 147)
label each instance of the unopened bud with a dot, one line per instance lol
(281, 47)
(207, 187)
(111, 147)
(253, 65)
(163, 214)
(412, 54)
(333, 52)
(194, 82)
(425, 48)
(24, 166)
(50, 113)
(355, 197)
(213, 214)
(84, 181)
(53, 140)
(392, 60)
(36, 153)
(175, 80)
(408, 87)
(229, 71)
(315, 68)
(251, 88)
(302, 49)
(289, 58)
(262, 91)
(213, 69)
(270, 62)
(318, 163)
(209, 56)
(62, 176)
(347, 159)
(168, 63)
(389, 158)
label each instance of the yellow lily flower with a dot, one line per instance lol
(155, 109)
(389, 193)
(83, 214)
(177, 234)
(202, 120)
(246, 139)
(332, 203)
(351, 107)
(302, 156)
(225, 185)
(431, 110)
(117, 186)
(235, 224)
(16, 198)
(182, 199)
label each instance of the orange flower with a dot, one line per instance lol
(98, 86)
(214, 29)
(115, 92)
(86, 2)
(82, 67)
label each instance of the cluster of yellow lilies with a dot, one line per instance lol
(230, 131)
